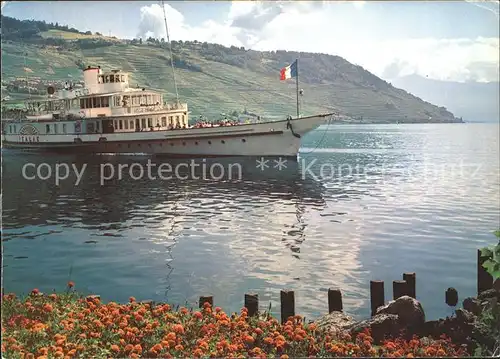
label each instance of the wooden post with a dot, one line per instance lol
(411, 280)
(208, 299)
(252, 304)
(484, 279)
(334, 300)
(399, 289)
(377, 297)
(451, 297)
(287, 304)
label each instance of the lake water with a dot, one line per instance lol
(361, 203)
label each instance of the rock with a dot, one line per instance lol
(464, 316)
(335, 322)
(381, 326)
(472, 305)
(409, 311)
(489, 294)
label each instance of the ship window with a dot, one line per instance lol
(47, 128)
(117, 101)
(123, 78)
(121, 124)
(170, 121)
(125, 123)
(97, 125)
(105, 101)
(88, 103)
(111, 78)
(131, 124)
(64, 128)
(82, 103)
(106, 80)
(163, 121)
(143, 122)
(94, 102)
(115, 124)
(150, 122)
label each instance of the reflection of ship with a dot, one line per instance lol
(109, 205)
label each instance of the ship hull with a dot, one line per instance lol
(280, 138)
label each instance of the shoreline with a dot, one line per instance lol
(71, 325)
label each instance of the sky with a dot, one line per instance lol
(442, 40)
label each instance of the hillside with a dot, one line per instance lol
(474, 101)
(210, 77)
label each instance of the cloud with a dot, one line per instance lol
(358, 33)
(152, 24)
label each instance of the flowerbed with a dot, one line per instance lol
(70, 326)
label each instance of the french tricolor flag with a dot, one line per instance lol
(289, 71)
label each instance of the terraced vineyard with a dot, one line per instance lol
(215, 79)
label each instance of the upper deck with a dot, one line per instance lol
(105, 94)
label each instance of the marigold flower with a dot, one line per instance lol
(71, 284)
(249, 339)
(115, 348)
(284, 356)
(131, 299)
(178, 328)
(179, 348)
(198, 315)
(48, 308)
(35, 291)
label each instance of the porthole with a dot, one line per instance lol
(243, 140)
(196, 143)
(184, 143)
(222, 141)
(209, 142)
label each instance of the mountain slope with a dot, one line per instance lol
(473, 101)
(210, 77)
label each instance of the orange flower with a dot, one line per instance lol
(284, 356)
(178, 328)
(115, 348)
(179, 348)
(258, 331)
(410, 355)
(48, 308)
(138, 348)
(197, 353)
(430, 351)
(131, 299)
(441, 353)
(198, 315)
(71, 284)
(35, 291)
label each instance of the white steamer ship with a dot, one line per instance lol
(109, 116)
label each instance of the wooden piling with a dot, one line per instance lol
(451, 297)
(207, 299)
(399, 289)
(377, 296)
(411, 280)
(484, 279)
(334, 300)
(252, 303)
(287, 304)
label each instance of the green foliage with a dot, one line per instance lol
(492, 264)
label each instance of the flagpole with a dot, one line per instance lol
(297, 82)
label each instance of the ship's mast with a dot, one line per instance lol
(171, 53)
